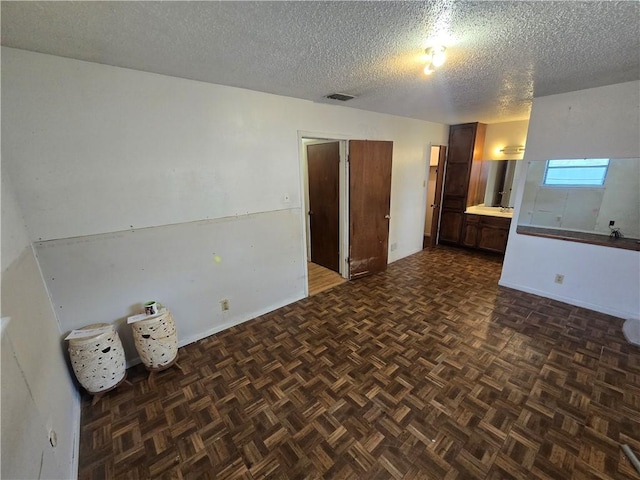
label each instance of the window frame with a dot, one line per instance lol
(565, 167)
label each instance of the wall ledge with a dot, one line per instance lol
(580, 237)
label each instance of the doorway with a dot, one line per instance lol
(350, 180)
(323, 171)
(435, 177)
(325, 201)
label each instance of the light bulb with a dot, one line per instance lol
(437, 56)
(428, 70)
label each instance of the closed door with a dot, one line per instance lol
(369, 203)
(324, 206)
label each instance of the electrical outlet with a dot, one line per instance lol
(224, 304)
(612, 223)
(559, 278)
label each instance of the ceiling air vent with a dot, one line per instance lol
(343, 97)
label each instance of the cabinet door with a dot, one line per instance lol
(450, 226)
(456, 180)
(461, 143)
(493, 239)
(470, 230)
(469, 235)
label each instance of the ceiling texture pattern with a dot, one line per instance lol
(499, 54)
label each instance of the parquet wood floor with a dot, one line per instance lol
(321, 278)
(429, 370)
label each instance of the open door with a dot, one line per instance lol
(323, 162)
(369, 202)
(435, 223)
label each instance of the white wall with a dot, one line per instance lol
(98, 154)
(95, 149)
(122, 149)
(130, 182)
(14, 231)
(598, 122)
(107, 277)
(37, 391)
(504, 134)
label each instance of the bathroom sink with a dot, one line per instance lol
(491, 211)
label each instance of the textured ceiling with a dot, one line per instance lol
(500, 54)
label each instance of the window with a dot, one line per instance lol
(576, 172)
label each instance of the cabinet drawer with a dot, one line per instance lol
(497, 222)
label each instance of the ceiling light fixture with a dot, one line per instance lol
(435, 58)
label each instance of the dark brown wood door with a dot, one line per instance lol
(369, 201)
(437, 201)
(324, 204)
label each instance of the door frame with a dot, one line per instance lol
(341, 211)
(344, 194)
(343, 178)
(439, 192)
(435, 225)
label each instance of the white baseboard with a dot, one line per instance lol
(573, 301)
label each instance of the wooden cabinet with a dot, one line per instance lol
(464, 187)
(466, 142)
(470, 230)
(485, 232)
(450, 225)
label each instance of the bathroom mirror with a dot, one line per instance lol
(496, 183)
(597, 196)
